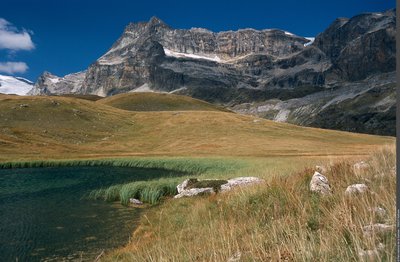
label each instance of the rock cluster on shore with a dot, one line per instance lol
(188, 187)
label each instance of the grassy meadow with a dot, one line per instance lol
(278, 220)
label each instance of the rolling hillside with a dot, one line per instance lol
(63, 127)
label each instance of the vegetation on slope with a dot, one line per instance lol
(158, 102)
(43, 128)
(278, 220)
(86, 97)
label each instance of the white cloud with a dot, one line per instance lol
(13, 39)
(13, 67)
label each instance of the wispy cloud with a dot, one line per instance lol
(13, 67)
(11, 38)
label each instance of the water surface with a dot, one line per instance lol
(44, 217)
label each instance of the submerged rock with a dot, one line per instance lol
(356, 189)
(195, 192)
(135, 201)
(320, 184)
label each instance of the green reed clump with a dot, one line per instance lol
(146, 191)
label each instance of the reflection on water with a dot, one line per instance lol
(44, 217)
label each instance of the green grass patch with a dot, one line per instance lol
(146, 191)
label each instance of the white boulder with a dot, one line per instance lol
(320, 184)
(356, 189)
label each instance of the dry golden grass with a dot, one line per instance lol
(158, 102)
(65, 128)
(280, 220)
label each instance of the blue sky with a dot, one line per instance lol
(67, 36)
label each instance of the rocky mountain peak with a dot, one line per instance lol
(145, 26)
(155, 21)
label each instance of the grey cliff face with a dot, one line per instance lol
(360, 46)
(286, 75)
(166, 59)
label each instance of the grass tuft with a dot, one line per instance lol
(146, 191)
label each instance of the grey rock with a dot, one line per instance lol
(320, 184)
(356, 189)
(195, 192)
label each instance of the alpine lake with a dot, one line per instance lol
(46, 215)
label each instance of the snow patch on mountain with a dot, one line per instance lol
(168, 52)
(312, 39)
(14, 85)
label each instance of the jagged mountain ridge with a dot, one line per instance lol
(48, 84)
(249, 67)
